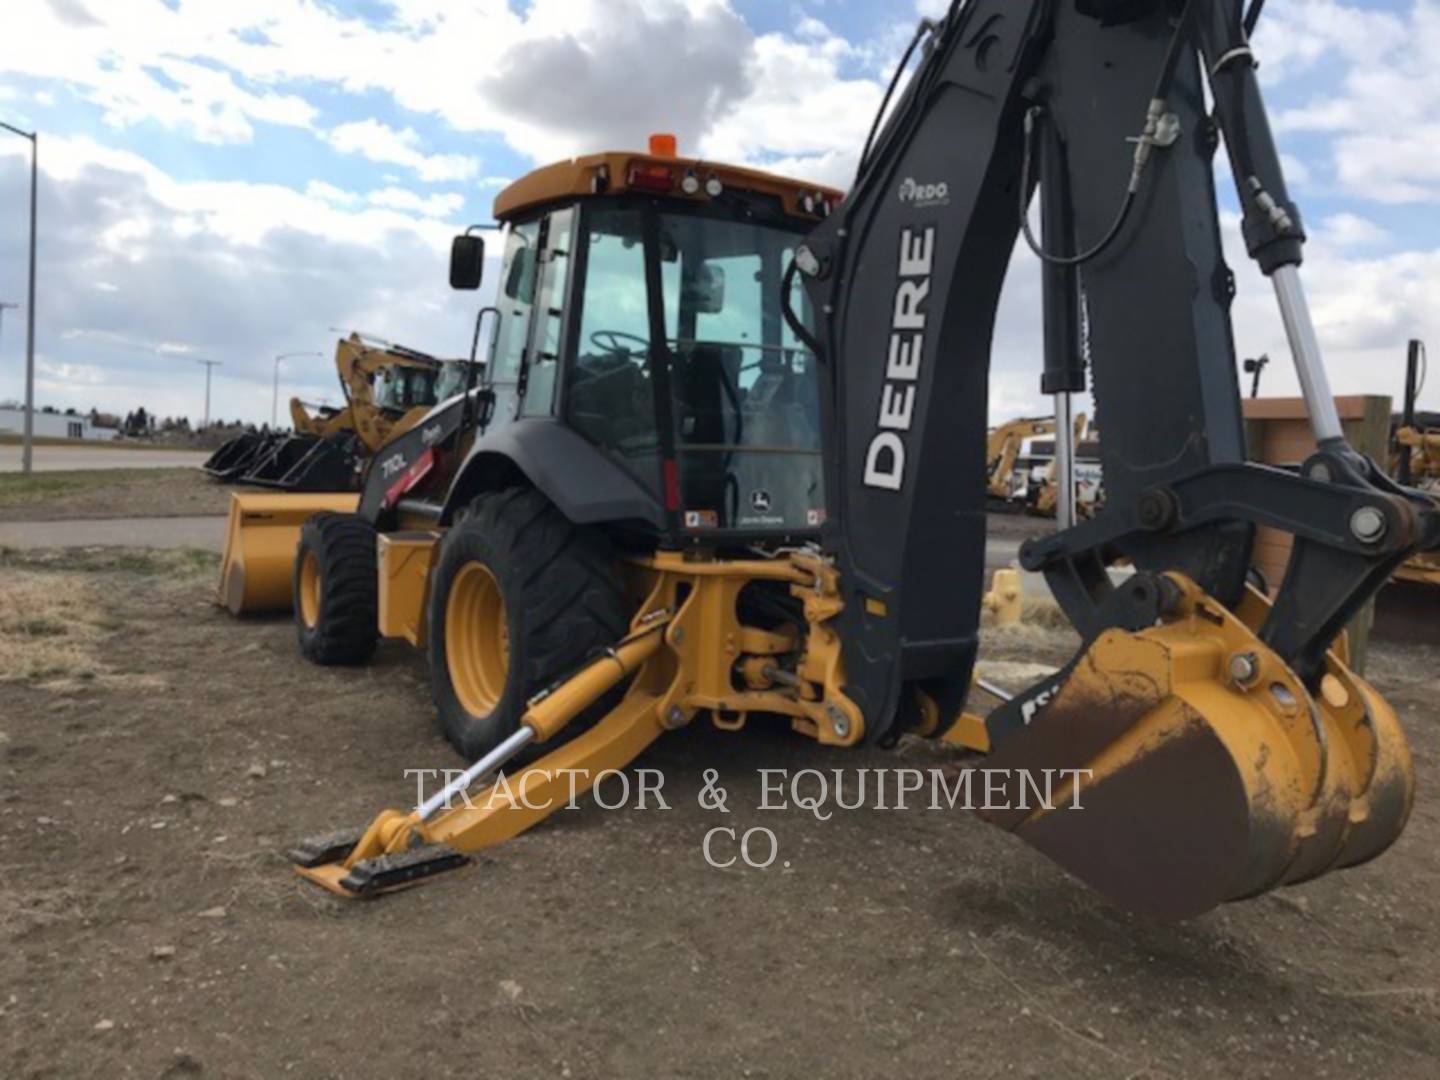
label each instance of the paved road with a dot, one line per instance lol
(209, 533)
(62, 458)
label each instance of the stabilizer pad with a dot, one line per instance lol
(329, 847)
(388, 872)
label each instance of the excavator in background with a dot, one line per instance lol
(1004, 449)
(387, 388)
(726, 462)
(1022, 472)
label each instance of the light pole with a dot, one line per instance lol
(27, 454)
(210, 365)
(275, 394)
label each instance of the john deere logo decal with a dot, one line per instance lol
(760, 502)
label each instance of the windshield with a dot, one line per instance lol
(452, 378)
(399, 388)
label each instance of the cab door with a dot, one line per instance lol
(549, 325)
(515, 301)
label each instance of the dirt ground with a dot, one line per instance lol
(156, 757)
(110, 493)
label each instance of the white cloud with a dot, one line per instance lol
(436, 206)
(137, 62)
(1346, 230)
(141, 272)
(377, 142)
(1380, 106)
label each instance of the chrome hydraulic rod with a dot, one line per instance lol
(1065, 516)
(1305, 348)
(487, 764)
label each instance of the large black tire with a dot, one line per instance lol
(336, 590)
(562, 598)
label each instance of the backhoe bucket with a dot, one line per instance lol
(1187, 765)
(260, 541)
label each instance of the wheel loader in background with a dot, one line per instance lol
(387, 388)
(727, 459)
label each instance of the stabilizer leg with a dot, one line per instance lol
(398, 850)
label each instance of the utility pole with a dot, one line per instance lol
(210, 365)
(275, 393)
(27, 455)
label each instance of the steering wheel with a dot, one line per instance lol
(610, 341)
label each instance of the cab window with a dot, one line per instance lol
(549, 319)
(610, 400)
(515, 301)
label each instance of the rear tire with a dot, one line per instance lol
(520, 597)
(336, 590)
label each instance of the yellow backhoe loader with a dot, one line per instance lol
(726, 462)
(387, 389)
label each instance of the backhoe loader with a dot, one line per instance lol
(387, 389)
(727, 462)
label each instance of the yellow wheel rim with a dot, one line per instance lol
(310, 590)
(477, 639)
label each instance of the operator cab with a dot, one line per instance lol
(640, 304)
(399, 389)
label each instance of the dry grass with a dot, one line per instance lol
(50, 627)
(110, 493)
(176, 564)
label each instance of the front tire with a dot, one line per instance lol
(520, 597)
(336, 590)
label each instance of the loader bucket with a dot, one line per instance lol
(235, 456)
(308, 464)
(1197, 782)
(260, 541)
(278, 459)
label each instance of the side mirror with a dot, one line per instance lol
(467, 262)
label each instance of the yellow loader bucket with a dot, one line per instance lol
(260, 541)
(1199, 769)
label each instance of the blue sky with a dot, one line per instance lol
(230, 181)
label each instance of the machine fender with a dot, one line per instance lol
(587, 487)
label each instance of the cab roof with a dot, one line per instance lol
(660, 174)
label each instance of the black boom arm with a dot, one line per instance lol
(1101, 105)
